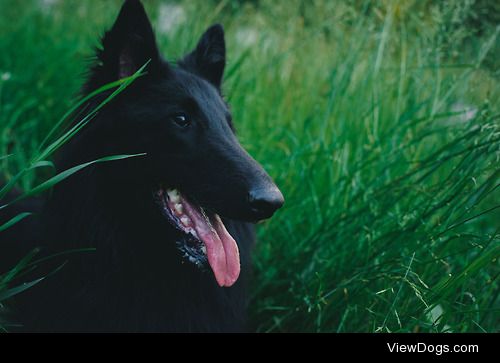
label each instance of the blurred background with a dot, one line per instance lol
(379, 120)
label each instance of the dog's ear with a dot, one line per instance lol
(130, 43)
(209, 57)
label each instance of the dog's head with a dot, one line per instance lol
(176, 114)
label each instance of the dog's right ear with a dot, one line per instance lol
(130, 43)
(208, 59)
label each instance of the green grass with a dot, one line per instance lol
(379, 122)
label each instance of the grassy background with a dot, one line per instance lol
(378, 120)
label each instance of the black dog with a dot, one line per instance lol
(170, 229)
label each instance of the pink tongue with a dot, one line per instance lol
(222, 250)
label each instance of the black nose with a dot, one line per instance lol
(265, 201)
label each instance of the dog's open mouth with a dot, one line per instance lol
(204, 236)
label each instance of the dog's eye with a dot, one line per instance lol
(181, 120)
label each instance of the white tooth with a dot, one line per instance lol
(174, 195)
(204, 249)
(185, 221)
(178, 208)
(172, 192)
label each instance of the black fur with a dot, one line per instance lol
(136, 280)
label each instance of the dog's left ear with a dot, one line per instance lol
(130, 43)
(208, 59)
